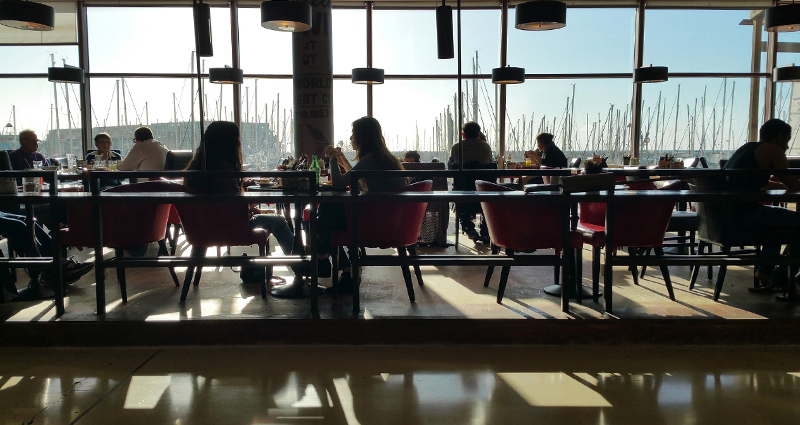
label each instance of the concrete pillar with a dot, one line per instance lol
(313, 82)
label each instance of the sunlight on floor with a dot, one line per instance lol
(553, 390)
(144, 392)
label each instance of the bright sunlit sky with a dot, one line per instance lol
(594, 41)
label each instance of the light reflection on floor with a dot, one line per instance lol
(401, 385)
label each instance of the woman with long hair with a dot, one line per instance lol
(372, 154)
(222, 149)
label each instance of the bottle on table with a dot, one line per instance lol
(315, 168)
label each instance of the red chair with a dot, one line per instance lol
(636, 225)
(124, 225)
(220, 224)
(536, 226)
(391, 225)
(172, 237)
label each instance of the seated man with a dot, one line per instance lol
(475, 153)
(769, 153)
(146, 155)
(411, 156)
(23, 158)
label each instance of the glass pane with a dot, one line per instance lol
(418, 115)
(480, 41)
(349, 104)
(585, 116)
(349, 40)
(405, 43)
(481, 98)
(36, 59)
(30, 103)
(713, 118)
(166, 105)
(263, 51)
(266, 122)
(787, 108)
(594, 40)
(700, 40)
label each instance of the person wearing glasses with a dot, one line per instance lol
(24, 157)
(102, 141)
(146, 155)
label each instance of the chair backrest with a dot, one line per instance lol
(178, 160)
(439, 183)
(642, 224)
(574, 163)
(718, 222)
(520, 228)
(217, 224)
(5, 161)
(391, 225)
(123, 224)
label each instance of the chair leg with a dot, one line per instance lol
(175, 232)
(710, 268)
(199, 269)
(721, 276)
(490, 269)
(334, 269)
(501, 289)
(645, 253)
(262, 251)
(633, 269)
(665, 273)
(701, 247)
(162, 250)
(123, 290)
(457, 230)
(197, 253)
(412, 251)
(578, 273)
(401, 252)
(596, 274)
(692, 241)
(557, 275)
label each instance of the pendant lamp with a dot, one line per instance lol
(786, 73)
(782, 18)
(226, 75)
(285, 15)
(444, 31)
(541, 15)
(508, 75)
(67, 74)
(27, 15)
(202, 16)
(367, 76)
(650, 74)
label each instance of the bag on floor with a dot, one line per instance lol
(255, 274)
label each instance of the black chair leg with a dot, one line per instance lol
(199, 269)
(197, 253)
(412, 251)
(175, 231)
(578, 273)
(401, 252)
(634, 272)
(596, 274)
(665, 273)
(504, 271)
(262, 252)
(711, 268)
(701, 248)
(334, 270)
(721, 276)
(490, 269)
(645, 253)
(162, 250)
(123, 290)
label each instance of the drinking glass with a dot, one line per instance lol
(37, 165)
(71, 161)
(112, 165)
(527, 162)
(100, 164)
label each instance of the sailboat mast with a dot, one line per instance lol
(55, 101)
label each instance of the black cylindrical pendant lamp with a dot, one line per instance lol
(286, 15)
(367, 76)
(782, 18)
(508, 75)
(226, 75)
(541, 15)
(27, 15)
(67, 74)
(651, 74)
(786, 73)
(202, 16)
(444, 31)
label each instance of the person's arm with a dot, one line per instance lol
(133, 160)
(773, 157)
(339, 162)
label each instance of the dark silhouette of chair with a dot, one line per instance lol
(124, 225)
(218, 224)
(178, 159)
(467, 183)
(521, 229)
(386, 225)
(574, 163)
(437, 216)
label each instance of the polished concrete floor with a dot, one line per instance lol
(449, 292)
(401, 385)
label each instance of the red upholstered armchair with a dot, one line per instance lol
(386, 225)
(124, 225)
(536, 226)
(204, 227)
(636, 225)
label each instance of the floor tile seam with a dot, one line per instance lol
(123, 380)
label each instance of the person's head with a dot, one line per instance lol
(102, 141)
(777, 132)
(435, 159)
(28, 141)
(142, 133)
(471, 130)
(367, 138)
(222, 144)
(543, 140)
(411, 156)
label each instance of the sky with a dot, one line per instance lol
(594, 41)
